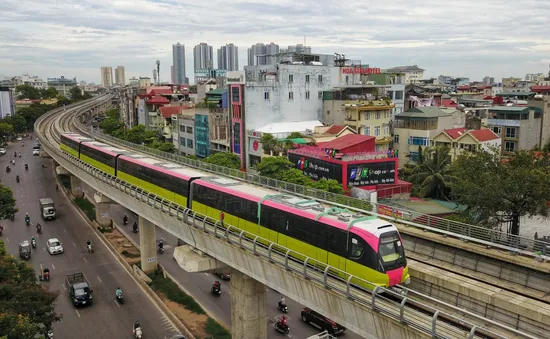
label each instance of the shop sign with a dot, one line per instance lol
(360, 70)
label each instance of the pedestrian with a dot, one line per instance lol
(57, 187)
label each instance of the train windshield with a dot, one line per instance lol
(391, 251)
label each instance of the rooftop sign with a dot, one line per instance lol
(359, 70)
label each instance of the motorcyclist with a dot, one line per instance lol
(33, 241)
(17, 178)
(282, 322)
(161, 245)
(15, 154)
(8, 169)
(125, 219)
(136, 325)
(118, 292)
(27, 218)
(20, 154)
(282, 301)
(135, 227)
(38, 228)
(88, 243)
(26, 166)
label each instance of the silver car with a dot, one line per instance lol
(54, 246)
(2, 151)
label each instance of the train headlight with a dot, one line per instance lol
(408, 281)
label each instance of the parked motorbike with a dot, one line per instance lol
(284, 329)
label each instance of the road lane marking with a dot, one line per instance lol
(206, 274)
(74, 244)
(8, 239)
(78, 314)
(99, 280)
(53, 266)
(65, 230)
(85, 260)
(64, 288)
(116, 302)
(44, 248)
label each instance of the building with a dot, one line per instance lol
(445, 79)
(133, 82)
(203, 56)
(299, 48)
(329, 133)
(509, 82)
(394, 89)
(413, 74)
(535, 77)
(460, 140)
(7, 102)
(542, 90)
(415, 128)
(62, 85)
(144, 81)
(32, 80)
(488, 80)
(106, 76)
(178, 62)
(120, 76)
(204, 87)
(186, 123)
(262, 54)
(218, 75)
(128, 106)
(518, 126)
(228, 57)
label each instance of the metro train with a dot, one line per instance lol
(364, 246)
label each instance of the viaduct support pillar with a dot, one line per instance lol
(148, 245)
(248, 307)
(103, 210)
(76, 187)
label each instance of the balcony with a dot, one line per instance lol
(503, 122)
(153, 113)
(364, 105)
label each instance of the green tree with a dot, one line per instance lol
(502, 190)
(113, 113)
(329, 185)
(27, 92)
(295, 135)
(75, 93)
(274, 167)
(6, 129)
(7, 202)
(229, 160)
(110, 125)
(136, 134)
(18, 122)
(48, 93)
(25, 304)
(546, 147)
(62, 100)
(433, 174)
(268, 142)
(297, 177)
(87, 95)
(163, 146)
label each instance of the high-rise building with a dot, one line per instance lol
(178, 56)
(120, 77)
(488, 80)
(228, 57)
(106, 76)
(203, 56)
(262, 54)
(299, 48)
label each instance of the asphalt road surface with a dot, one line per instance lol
(198, 284)
(105, 318)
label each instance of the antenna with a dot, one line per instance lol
(304, 41)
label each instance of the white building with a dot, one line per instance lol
(203, 56)
(413, 74)
(7, 102)
(120, 76)
(262, 54)
(228, 57)
(106, 76)
(62, 85)
(535, 77)
(178, 59)
(32, 80)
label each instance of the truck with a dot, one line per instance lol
(80, 292)
(47, 208)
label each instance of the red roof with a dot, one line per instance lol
(158, 100)
(488, 98)
(540, 88)
(448, 103)
(463, 87)
(159, 89)
(345, 141)
(335, 129)
(484, 134)
(455, 133)
(168, 111)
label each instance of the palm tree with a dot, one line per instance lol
(433, 174)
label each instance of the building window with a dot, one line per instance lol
(307, 95)
(235, 95)
(497, 130)
(266, 95)
(367, 116)
(320, 95)
(396, 139)
(182, 128)
(189, 130)
(328, 112)
(511, 132)
(307, 78)
(390, 94)
(347, 80)
(377, 114)
(182, 141)
(290, 95)
(398, 95)
(320, 79)
(189, 143)
(377, 131)
(386, 130)
(509, 146)
(386, 114)
(290, 78)
(419, 141)
(366, 130)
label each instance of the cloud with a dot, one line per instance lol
(76, 37)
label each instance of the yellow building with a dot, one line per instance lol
(371, 118)
(460, 140)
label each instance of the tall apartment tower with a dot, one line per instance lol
(228, 57)
(106, 76)
(120, 77)
(178, 56)
(203, 56)
(262, 54)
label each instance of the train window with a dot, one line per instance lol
(391, 251)
(337, 241)
(357, 248)
(252, 211)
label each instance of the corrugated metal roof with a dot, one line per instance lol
(289, 127)
(422, 112)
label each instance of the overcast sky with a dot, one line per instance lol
(498, 38)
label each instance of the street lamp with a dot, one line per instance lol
(158, 71)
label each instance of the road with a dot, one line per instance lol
(105, 318)
(198, 284)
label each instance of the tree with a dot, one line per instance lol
(268, 142)
(18, 122)
(136, 134)
(75, 93)
(5, 129)
(546, 147)
(7, 202)
(295, 135)
(229, 160)
(297, 177)
(433, 174)
(274, 167)
(48, 93)
(163, 146)
(113, 113)
(502, 190)
(25, 304)
(62, 100)
(110, 125)
(329, 185)
(27, 92)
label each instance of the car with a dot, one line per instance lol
(324, 323)
(2, 151)
(19, 139)
(54, 246)
(225, 276)
(35, 151)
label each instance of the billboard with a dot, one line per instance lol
(235, 77)
(374, 173)
(316, 168)
(210, 73)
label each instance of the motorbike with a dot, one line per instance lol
(161, 249)
(216, 290)
(125, 221)
(28, 221)
(90, 249)
(17, 179)
(33, 243)
(283, 308)
(120, 298)
(39, 229)
(8, 169)
(45, 275)
(284, 329)
(26, 167)
(136, 229)
(49, 334)
(20, 154)
(138, 334)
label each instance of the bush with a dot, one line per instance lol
(174, 293)
(215, 330)
(65, 181)
(86, 206)
(130, 255)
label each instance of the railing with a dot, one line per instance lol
(473, 233)
(395, 304)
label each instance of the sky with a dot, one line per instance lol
(497, 38)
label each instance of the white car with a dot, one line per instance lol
(36, 151)
(2, 151)
(54, 246)
(19, 139)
